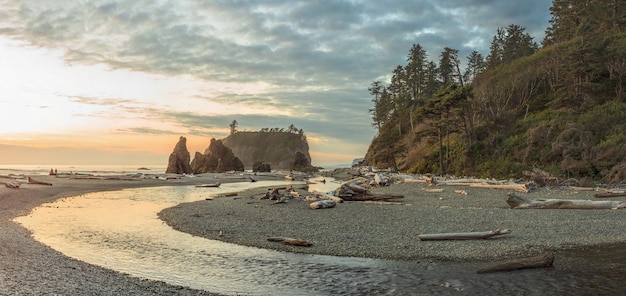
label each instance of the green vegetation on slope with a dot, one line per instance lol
(561, 107)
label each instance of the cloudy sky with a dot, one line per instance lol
(104, 81)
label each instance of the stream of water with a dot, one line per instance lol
(120, 230)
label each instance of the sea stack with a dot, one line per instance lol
(179, 159)
(217, 158)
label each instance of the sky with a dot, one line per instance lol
(118, 82)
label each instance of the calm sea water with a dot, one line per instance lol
(120, 230)
(6, 169)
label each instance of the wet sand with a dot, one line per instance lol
(28, 267)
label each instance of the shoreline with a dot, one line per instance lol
(32, 268)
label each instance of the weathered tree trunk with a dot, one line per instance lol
(518, 202)
(13, 185)
(609, 194)
(33, 181)
(516, 187)
(290, 241)
(463, 235)
(544, 260)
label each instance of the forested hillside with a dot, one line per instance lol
(559, 105)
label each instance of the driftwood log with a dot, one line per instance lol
(319, 196)
(12, 185)
(273, 193)
(609, 194)
(432, 190)
(463, 235)
(518, 202)
(290, 241)
(544, 260)
(354, 192)
(33, 181)
(516, 187)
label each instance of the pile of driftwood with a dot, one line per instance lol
(352, 191)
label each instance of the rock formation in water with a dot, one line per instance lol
(300, 162)
(179, 159)
(278, 149)
(217, 158)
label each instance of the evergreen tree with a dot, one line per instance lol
(233, 127)
(416, 71)
(475, 65)
(377, 112)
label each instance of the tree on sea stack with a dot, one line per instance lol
(233, 127)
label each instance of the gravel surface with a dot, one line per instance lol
(390, 230)
(28, 267)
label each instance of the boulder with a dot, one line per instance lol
(261, 167)
(178, 162)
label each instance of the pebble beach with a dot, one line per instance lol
(389, 230)
(363, 229)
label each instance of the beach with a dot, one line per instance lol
(389, 230)
(375, 230)
(31, 268)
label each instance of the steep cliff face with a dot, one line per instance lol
(217, 158)
(278, 149)
(178, 162)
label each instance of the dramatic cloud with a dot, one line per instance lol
(310, 61)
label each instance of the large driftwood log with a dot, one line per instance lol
(463, 235)
(544, 260)
(516, 187)
(12, 185)
(33, 181)
(609, 194)
(290, 241)
(518, 202)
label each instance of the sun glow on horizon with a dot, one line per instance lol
(46, 102)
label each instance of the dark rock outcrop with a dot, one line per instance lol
(278, 149)
(300, 162)
(178, 162)
(217, 158)
(261, 167)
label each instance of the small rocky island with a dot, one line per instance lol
(264, 150)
